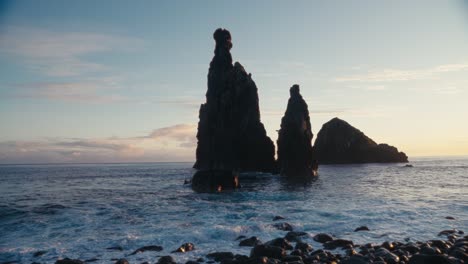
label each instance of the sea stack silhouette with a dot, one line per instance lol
(339, 143)
(231, 137)
(295, 157)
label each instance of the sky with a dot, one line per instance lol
(122, 81)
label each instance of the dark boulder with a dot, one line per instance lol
(338, 243)
(304, 247)
(220, 256)
(230, 134)
(186, 247)
(295, 157)
(166, 260)
(361, 228)
(280, 242)
(147, 248)
(295, 236)
(69, 261)
(283, 226)
(250, 242)
(339, 143)
(322, 238)
(267, 251)
(39, 253)
(278, 217)
(122, 261)
(428, 259)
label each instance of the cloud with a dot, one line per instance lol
(62, 54)
(184, 134)
(88, 91)
(388, 75)
(325, 112)
(189, 102)
(173, 143)
(448, 90)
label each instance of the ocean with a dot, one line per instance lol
(78, 211)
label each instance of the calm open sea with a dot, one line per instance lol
(78, 211)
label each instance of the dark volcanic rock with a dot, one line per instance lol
(122, 261)
(361, 228)
(69, 261)
(295, 236)
(250, 242)
(322, 238)
(339, 142)
(278, 217)
(337, 243)
(220, 256)
(427, 259)
(283, 226)
(186, 247)
(215, 180)
(39, 253)
(280, 242)
(295, 138)
(267, 251)
(230, 134)
(166, 260)
(147, 248)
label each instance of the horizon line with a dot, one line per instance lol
(152, 162)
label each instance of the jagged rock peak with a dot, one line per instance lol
(295, 157)
(339, 142)
(230, 134)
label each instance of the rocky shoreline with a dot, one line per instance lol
(451, 247)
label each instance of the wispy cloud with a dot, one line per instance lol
(448, 90)
(388, 75)
(62, 54)
(183, 134)
(173, 143)
(189, 102)
(87, 91)
(325, 112)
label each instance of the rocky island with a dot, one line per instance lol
(232, 139)
(339, 143)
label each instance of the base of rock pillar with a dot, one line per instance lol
(300, 174)
(215, 181)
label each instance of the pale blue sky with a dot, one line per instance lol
(113, 81)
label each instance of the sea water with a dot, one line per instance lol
(78, 211)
